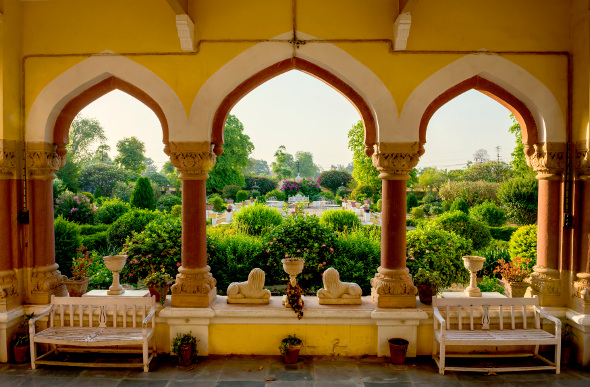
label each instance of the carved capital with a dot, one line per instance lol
(395, 160)
(42, 160)
(7, 159)
(44, 282)
(547, 159)
(583, 159)
(193, 160)
(545, 282)
(193, 288)
(393, 288)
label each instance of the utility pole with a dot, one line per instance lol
(498, 152)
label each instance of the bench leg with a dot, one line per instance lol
(33, 354)
(557, 358)
(441, 367)
(146, 366)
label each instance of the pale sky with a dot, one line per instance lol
(304, 114)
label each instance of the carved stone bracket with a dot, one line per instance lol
(193, 160)
(395, 160)
(46, 281)
(583, 160)
(42, 161)
(193, 288)
(7, 159)
(393, 288)
(8, 290)
(547, 159)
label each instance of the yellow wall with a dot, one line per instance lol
(11, 74)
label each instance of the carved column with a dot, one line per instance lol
(548, 160)
(581, 291)
(195, 286)
(44, 279)
(392, 286)
(9, 297)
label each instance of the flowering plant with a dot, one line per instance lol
(294, 293)
(81, 263)
(515, 271)
(75, 208)
(158, 278)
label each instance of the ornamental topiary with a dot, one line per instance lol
(67, 240)
(257, 219)
(460, 205)
(434, 249)
(411, 202)
(111, 210)
(417, 213)
(523, 243)
(489, 213)
(340, 220)
(132, 221)
(242, 195)
(462, 224)
(143, 194)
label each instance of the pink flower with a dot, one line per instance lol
(323, 263)
(331, 249)
(270, 243)
(177, 264)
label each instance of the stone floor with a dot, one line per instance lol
(261, 371)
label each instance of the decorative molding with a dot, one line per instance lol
(46, 281)
(193, 160)
(8, 290)
(42, 160)
(7, 159)
(394, 161)
(186, 32)
(393, 288)
(193, 288)
(547, 159)
(582, 149)
(545, 282)
(336, 292)
(401, 31)
(249, 292)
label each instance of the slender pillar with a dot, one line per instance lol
(581, 291)
(195, 286)
(45, 279)
(9, 297)
(548, 160)
(392, 286)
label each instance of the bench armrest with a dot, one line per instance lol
(34, 319)
(549, 317)
(150, 316)
(438, 317)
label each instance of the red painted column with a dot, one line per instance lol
(194, 224)
(393, 224)
(549, 223)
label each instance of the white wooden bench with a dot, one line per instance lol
(512, 330)
(91, 324)
(298, 199)
(375, 218)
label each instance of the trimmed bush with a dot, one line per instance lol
(242, 195)
(334, 179)
(340, 220)
(460, 205)
(462, 224)
(473, 192)
(166, 202)
(75, 208)
(503, 233)
(67, 240)
(492, 255)
(417, 213)
(490, 284)
(111, 210)
(523, 244)
(411, 202)
(489, 213)
(520, 196)
(130, 222)
(97, 241)
(437, 211)
(260, 200)
(434, 249)
(327, 195)
(357, 257)
(279, 195)
(89, 229)
(143, 194)
(446, 206)
(254, 194)
(362, 192)
(176, 211)
(257, 219)
(218, 204)
(230, 191)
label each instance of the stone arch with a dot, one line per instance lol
(267, 60)
(57, 104)
(534, 105)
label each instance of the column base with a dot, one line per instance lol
(193, 300)
(581, 295)
(393, 289)
(9, 297)
(194, 288)
(44, 282)
(546, 284)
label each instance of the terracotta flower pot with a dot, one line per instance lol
(398, 349)
(77, 288)
(21, 353)
(159, 291)
(292, 355)
(425, 293)
(515, 289)
(185, 357)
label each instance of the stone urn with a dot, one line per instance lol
(293, 267)
(515, 289)
(473, 264)
(115, 263)
(209, 207)
(76, 288)
(230, 201)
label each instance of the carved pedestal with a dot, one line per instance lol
(393, 289)
(546, 284)
(44, 282)
(581, 295)
(193, 288)
(8, 290)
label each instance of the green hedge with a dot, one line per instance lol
(357, 258)
(67, 240)
(97, 241)
(340, 220)
(89, 229)
(503, 233)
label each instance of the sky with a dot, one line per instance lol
(305, 114)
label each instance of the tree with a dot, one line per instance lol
(131, 154)
(69, 175)
(518, 161)
(171, 174)
(101, 155)
(84, 132)
(307, 168)
(103, 177)
(364, 172)
(432, 178)
(480, 156)
(334, 179)
(159, 179)
(229, 167)
(150, 166)
(413, 180)
(143, 194)
(258, 167)
(492, 171)
(283, 166)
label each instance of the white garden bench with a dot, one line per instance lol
(512, 330)
(96, 324)
(298, 199)
(376, 218)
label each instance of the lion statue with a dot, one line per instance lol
(251, 291)
(337, 292)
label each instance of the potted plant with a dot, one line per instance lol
(567, 343)
(78, 284)
(184, 346)
(158, 284)
(513, 275)
(290, 347)
(21, 342)
(428, 283)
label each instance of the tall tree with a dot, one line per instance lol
(229, 167)
(150, 166)
(364, 172)
(307, 168)
(283, 164)
(143, 194)
(258, 167)
(518, 161)
(481, 156)
(492, 171)
(84, 132)
(171, 174)
(432, 178)
(131, 154)
(101, 155)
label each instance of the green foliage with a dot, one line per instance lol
(242, 195)
(155, 248)
(310, 188)
(334, 179)
(411, 202)
(362, 192)
(257, 219)
(435, 249)
(100, 276)
(327, 195)
(143, 194)
(166, 202)
(428, 278)
(518, 161)
(300, 236)
(89, 229)
(264, 184)
(364, 172)
(96, 241)
(340, 220)
(473, 192)
(436, 211)
(492, 171)
(446, 206)
(492, 256)
(287, 342)
(257, 167)
(291, 188)
(230, 191)
(184, 339)
(523, 244)
(284, 164)
(417, 213)
(69, 175)
(260, 200)
(462, 224)
(230, 166)
(278, 195)
(176, 211)
(254, 193)
(84, 133)
(88, 195)
(307, 168)
(519, 196)
(103, 177)
(377, 207)
(503, 233)
(111, 210)
(217, 203)
(432, 178)
(58, 187)
(131, 154)
(133, 221)
(159, 179)
(489, 213)
(123, 191)
(460, 205)
(67, 240)
(75, 208)
(490, 284)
